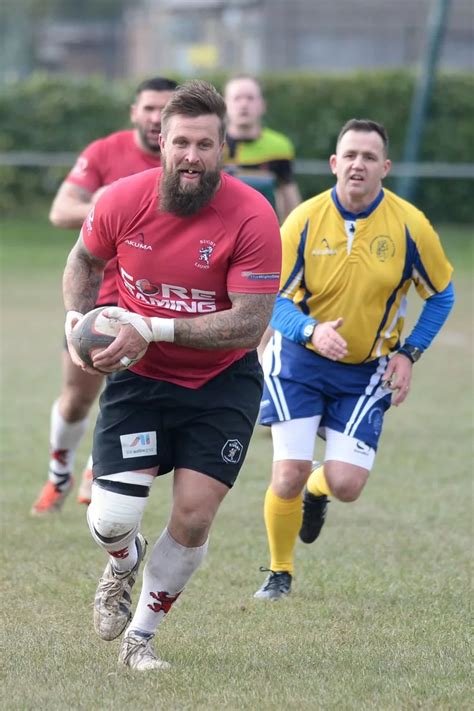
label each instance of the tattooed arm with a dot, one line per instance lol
(82, 279)
(241, 326)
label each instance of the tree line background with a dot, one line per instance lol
(62, 114)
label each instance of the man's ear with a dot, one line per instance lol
(387, 168)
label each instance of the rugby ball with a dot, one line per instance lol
(94, 332)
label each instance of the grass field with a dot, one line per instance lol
(379, 617)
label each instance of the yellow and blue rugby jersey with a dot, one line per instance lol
(361, 267)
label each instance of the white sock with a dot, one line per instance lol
(127, 560)
(64, 440)
(169, 568)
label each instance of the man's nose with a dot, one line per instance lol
(156, 116)
(192, 154)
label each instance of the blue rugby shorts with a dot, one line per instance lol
(300, 383)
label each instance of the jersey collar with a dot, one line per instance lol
(356, 215)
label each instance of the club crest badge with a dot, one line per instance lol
(232, 451)
(206, 250)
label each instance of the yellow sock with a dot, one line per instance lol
(283, 518)
(317, 484)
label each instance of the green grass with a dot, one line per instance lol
(379, 616)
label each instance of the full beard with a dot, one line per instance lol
(186, 201)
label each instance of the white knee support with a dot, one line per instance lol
(294, 439)
(344, 448)
(113, 518)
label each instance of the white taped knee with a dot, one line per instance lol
(114, 519)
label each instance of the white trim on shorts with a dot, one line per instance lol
(272, 355)
(373, 392)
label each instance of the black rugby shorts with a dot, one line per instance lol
(145, 423)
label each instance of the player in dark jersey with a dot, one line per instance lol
(198, 287)
(100, 164)
(261, 157)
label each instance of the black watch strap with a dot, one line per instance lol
(411, 352)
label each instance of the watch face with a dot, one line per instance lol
(308, 331)
(412, 352)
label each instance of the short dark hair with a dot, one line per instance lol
(156, 84)
(366, 125)
(196, 98)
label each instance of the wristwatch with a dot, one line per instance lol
(411, 352)
(308, 331)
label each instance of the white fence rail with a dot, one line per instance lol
(464, 171)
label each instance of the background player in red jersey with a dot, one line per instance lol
(100, 164)
(210, 246)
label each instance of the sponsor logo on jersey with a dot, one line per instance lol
(257, 276)
(80, 167)
(170, 296)
(232, 451)
(382, 247)
(324, 250)
(205, 252)
(138, 444)
(139, 242)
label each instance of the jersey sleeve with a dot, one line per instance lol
(103, 225)
(256, 259)
(431, 272)
(87, 171)
(293, 235)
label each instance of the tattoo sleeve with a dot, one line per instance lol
(82, 279)
(241, 326)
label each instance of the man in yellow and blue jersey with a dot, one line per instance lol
(261, 157)
(337, 360)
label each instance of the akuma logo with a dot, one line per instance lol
(139, 242)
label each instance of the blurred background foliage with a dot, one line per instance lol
(62, 114)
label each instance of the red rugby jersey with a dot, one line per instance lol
(101, 163)
(177, 267)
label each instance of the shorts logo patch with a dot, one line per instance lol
(232, 451)
(362, 448)
(138, 444)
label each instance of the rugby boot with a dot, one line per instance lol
(113, 601)
(52, 496)
(314, 515)
(137, 653)
(276, 585)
